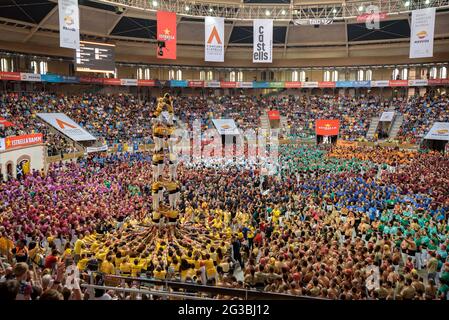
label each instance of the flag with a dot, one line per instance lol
(214, 39)
(166, 35)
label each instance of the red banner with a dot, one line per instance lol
(166, 35)
(326, 84)
(146, 83)
(293, 84)
(434, 82)
(112, 81)
(23, 141)
(372, 17)
(327, 127)
(398, 83)
(444, 81)
(15, 76)
(228, 84)
(196, 84)
(274, 115)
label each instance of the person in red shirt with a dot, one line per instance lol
(52, 259)
(258, 240)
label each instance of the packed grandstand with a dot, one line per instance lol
(102, 196)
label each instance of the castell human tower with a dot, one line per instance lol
(164, 157)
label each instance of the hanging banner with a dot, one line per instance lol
(146, 83)
(128, 82)
(69, 24)
(2, 144)
(274, 115)
(178, 83)
(362, 84)
(261, 84)
(375, 16)
(244, 84)
(214, 39)
(398, 83)
(262, 41)
(276, 84)
(418, 83)
(166, 35)
(212, 84)
(326, 84)
(226, 126)
(67, 126)
(23, 140)
(97, 149)
(327, 127)
(309, 84)
(14, 76)
(380, 83)
(112, 82)
(313, 22)
(439, 131)
(196, 84)
(293, 84)
(228, 84)
(387, 116)
(30, 77)
(421, 33)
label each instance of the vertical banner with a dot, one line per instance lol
(214, 39)
(166, 35)
(422, 32)
(69, 24)
(262, 40)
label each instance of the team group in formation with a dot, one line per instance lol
(335, 222)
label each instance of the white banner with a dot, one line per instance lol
(318, 21)
(2, 144)
(67, 126)
(30, 77)
(244, 84)
(97, 149)
(226, 126)
(380, 83)
(212, 84)
(69, 24)
(387, 116)
(439, 131)
(128, 82)
(310, 84)
(418, 83)
(421, 34)
(262, 41)
(214, 39)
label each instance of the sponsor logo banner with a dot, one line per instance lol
(69, 79)
(166, 35)
(418, 83)
(376, 16)
(398, 83)
(69, 25)
(112, 81)
(326, 84)
(293, 84)
(128, 82)
(380, 83)
(214, 39)
(277, 84)
(261, 84)
(310, 84)
(314, 22)
(262, 40)
(362, 84)
(439, 131)
(344, 84)
(274, 115)
(14, 76)
(212, 84)
(387, 116)
(54, 78)
(345, 143)
(244, 84)
(226, 126)
(228, 84)
(2, 144)
(97, 149)
(196, 84)
(422, 33)
(178, 83)
(67, 126)
(30, 77)
(327, 127)
(23, 141)
(146, 83)
(433, 82)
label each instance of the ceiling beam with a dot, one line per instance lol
(41, 23)
(114, 23)
(286, 39)
(229, 36)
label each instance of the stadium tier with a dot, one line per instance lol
(231, 150)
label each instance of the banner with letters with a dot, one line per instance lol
(214, 39)
(128, 82)
(418, 83)
(23, 140)
(67, 126)
(422, 33)
(69, 24)
(325, 127)
(439, 131)
(226, 126)
(212, 84)
(166, 35)
(97, 149)
(30, 77)
(387, 116)
(262, 41)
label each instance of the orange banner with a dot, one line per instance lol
(166, 35)
(327, 127)
(345, 143)
(274, 115)
(23, 141)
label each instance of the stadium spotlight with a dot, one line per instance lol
(334, 10)
(187, 8)
(155, 3)
(283, 12)
(267, 13)
(407, 3)
(211, 10)
(361, 8)
(427, 1)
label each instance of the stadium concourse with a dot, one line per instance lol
(247, 169)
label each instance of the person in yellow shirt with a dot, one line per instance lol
(82, 263)
(107, 267)
(159, 273)
(6, 244)
(125, 267)
(136, 268)
(211, 271)
(79, 245)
